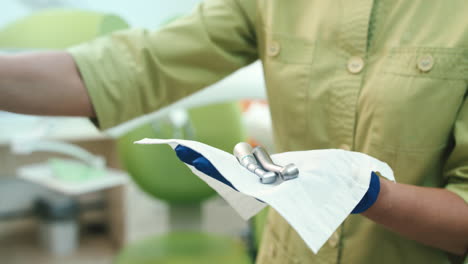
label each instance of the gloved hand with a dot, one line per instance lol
(371, 195)
(202, 164)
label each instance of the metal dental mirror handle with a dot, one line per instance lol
(243, 153)
(287, 172)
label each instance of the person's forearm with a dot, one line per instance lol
(435, 217)
(46, 83)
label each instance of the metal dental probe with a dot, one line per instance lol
(243, 153)
(287, 172)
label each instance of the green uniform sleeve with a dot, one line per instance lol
(133, 72)
(456, 169)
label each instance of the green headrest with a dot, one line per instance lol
(58, 29)
(156, 168)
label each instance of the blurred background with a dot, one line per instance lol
(72, 194)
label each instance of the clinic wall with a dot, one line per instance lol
(138, 13)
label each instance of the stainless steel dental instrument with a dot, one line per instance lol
(243, 153)
(287, 172)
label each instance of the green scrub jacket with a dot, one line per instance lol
(387, 78)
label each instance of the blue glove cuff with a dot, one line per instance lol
(371, 195)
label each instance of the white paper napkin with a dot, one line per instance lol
(331, 183)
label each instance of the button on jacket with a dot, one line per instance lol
(384, 77)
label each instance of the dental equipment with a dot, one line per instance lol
(243, 153)
(287, 172)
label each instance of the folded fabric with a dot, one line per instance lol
(331, 183)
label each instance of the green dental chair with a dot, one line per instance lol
(157, 170)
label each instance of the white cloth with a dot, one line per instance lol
(331, 183)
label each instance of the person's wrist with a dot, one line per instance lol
(382, 204)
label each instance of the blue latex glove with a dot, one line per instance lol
(195, 159)
(371, 195)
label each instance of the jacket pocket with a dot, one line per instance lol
(432, 63)
(418, 93)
